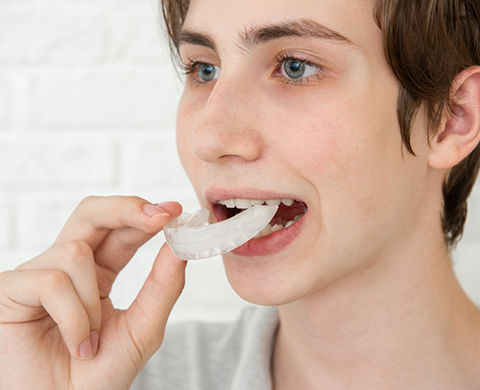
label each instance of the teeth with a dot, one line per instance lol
(243, 203)
(247, 203)
(273, 202)
(290, 223)
(269, 229)
(266, 231)
(259, 234)
(276, 227)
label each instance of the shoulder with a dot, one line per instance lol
(198, 355)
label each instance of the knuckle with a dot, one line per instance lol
(76, 319)
(86, 202)
(77, 250)
(5, 275)
(130, 202)
(53, 280)
(150, 228)
(133, 198)
(125, 245)
(124, 202)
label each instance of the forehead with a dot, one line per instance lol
(226, 21)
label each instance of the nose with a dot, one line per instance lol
(228, 128)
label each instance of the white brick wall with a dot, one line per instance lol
(87, 106)
(5, 103)
(56, 161)
(6, 223)
(108, 97)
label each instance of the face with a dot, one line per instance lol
(294, 100)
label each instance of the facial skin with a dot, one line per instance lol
(330, 139)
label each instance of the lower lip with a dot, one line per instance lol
(273, 243)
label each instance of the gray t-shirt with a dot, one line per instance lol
(200, 356)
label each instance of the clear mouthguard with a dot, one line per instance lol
(190, 238)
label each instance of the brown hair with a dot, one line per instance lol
(174, 14)
(426, 43)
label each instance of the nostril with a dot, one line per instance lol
(204, 148)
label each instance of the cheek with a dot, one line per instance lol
(319, 146)
(186, 115)
(309, 132)
(352, 157)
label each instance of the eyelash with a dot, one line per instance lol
(189, 70)
(284, 57)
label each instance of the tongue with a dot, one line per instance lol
(287, 213)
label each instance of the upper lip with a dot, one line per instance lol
(213, 195)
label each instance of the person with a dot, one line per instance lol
(363, 118)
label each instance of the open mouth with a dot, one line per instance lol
(289, 212)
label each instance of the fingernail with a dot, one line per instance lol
(85, 349)
(153, 210)
(163, 204)
(94, 342)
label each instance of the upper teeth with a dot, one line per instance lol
(247, 203)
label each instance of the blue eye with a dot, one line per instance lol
(208, 72)
(294, 68)
(297, 69)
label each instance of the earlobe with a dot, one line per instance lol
(460, 131)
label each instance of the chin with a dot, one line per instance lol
(263, 282)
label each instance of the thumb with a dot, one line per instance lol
(148, 314)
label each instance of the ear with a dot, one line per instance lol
(460, 131)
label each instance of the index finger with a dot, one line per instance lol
(96, 216)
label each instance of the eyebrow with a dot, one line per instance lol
(194, 38)
(304, 28)
(258, 35)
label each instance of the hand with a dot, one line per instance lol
(58, 327)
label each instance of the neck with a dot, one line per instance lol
(404, 321)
